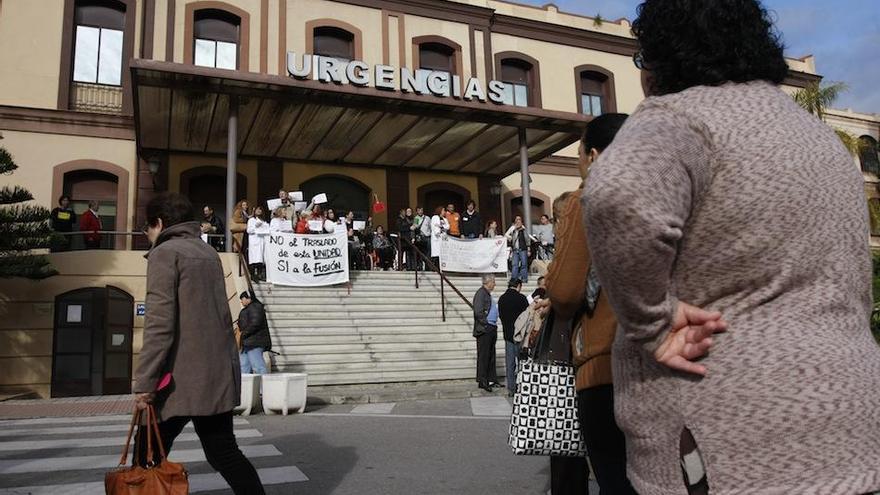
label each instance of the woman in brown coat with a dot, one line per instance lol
(574, 296)
(188, 334)
(238, 224)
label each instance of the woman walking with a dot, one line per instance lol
(188, 334)
(721, 196)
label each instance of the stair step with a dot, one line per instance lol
(291, 355)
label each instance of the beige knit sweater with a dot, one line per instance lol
(732, 198)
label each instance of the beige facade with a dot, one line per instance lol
(27, 310)
(78, 137)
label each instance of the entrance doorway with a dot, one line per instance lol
(206, 186)
(441, 194)
(92, 342)
(343, 194)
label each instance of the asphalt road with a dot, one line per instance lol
(456, 446)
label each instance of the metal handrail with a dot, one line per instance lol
(438, 271)
(242, 263)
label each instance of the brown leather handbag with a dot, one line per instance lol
(161, 478)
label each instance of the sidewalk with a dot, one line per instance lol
(66, 407)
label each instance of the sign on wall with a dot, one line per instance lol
(307, 260)
(473, 256)
(140, 309)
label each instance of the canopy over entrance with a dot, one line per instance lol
(184, 108)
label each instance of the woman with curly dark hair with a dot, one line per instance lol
(720, 196)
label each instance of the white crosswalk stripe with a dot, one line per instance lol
(69, 443)
(490, 406)
(24, 456)
(81, 430)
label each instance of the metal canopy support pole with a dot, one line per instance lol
(231, 156)
(526, 186)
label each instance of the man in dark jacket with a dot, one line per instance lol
(215, 228)
(511, 304)
(471, 222)
(255, 339)
(188, 334)
(486, 333)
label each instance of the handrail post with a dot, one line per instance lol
(442, 297)
(417, 272)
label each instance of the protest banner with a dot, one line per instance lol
(474, 255)
(307, 260)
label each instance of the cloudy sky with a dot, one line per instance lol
(844, 35)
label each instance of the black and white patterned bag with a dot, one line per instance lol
(544, 419)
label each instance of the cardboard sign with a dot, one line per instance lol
(299, 205)
(359, 225)
(320, 199)
(273, 204)
(316, 225)
(307, 260)
(295, 196)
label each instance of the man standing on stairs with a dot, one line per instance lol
(486, 333)
(511, 304)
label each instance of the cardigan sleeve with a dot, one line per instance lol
(567, 275)
(636, 202)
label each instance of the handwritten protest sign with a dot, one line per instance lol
(307, 260)
(295, 196)
(473, 256)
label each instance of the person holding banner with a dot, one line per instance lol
(454, 220)
(258, 231)
(519, 244)
(491, 230)
(330, 222)
(471, 222)
(439, 227)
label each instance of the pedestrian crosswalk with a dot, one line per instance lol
(70, 456)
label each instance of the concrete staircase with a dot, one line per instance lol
(384, 331)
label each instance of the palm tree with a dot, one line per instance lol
(817, 98)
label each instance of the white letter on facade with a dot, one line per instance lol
(438, 83)
(496, 91)
(358, 73)
(328, 70)
(474, 90)
(302, 73)
(383, 77)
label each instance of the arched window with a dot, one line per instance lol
(515, 76)
(868, 157)
(216, 37)
(595, 89)
(437, 54)
(520, 75)
(334, 42)
(98, 46)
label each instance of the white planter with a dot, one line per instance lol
(283, 392)
(250, 394)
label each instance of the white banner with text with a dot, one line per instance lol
(307, 260)
(473, 255)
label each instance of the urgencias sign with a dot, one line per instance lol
(386, 77)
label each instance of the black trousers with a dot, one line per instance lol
(487, 371)
(569, 476)
(606, 444)
(218, 442)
